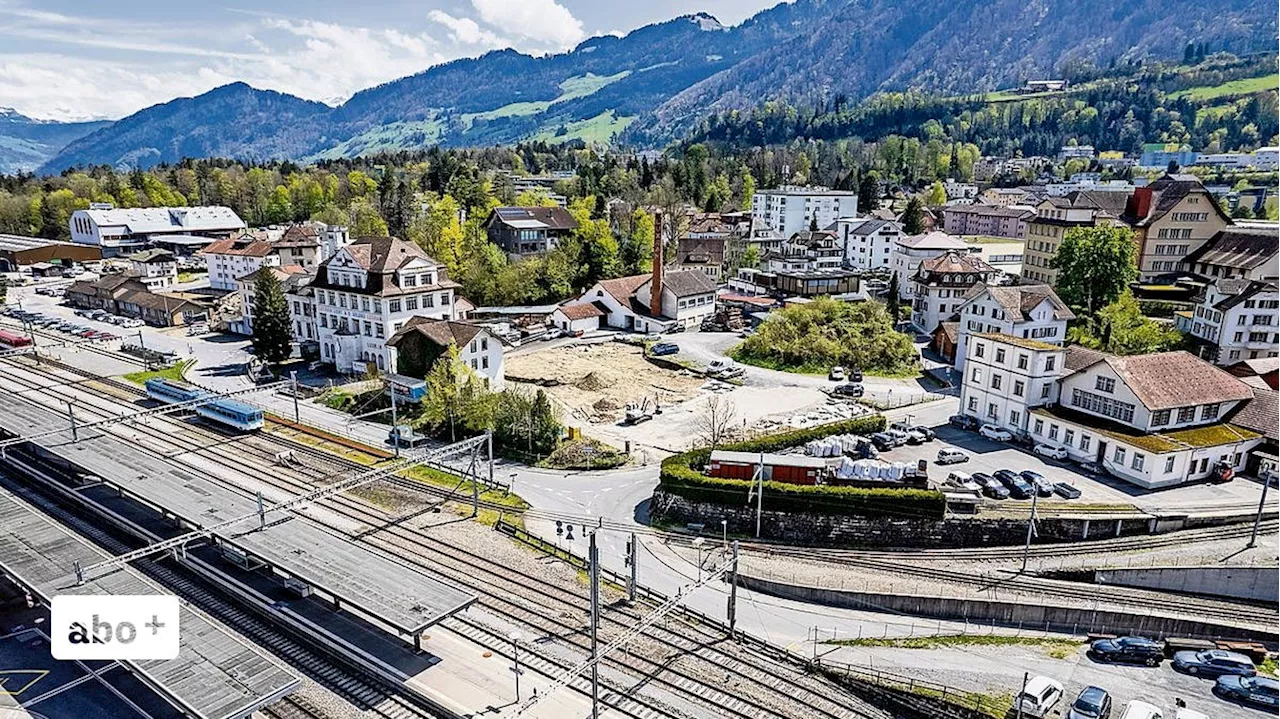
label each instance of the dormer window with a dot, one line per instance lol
(410, 280)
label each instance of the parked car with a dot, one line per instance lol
(963, 482)
(836, 374)
(883, 441)
(1093, 703)
(849, 389)
(963, 421)
(1131, 650)
(1141, 710)
(926, 434)
(1257, 691)
(1214, 663)
(664, 348)
(1066, 491)
(899, 437)
(951, 456)
(990, 431)
(720, 365)
(991, 486)
(1040, 695)
(1017, 486)
(1051, 451)
(1044, 487)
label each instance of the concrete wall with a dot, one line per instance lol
(1254, 583)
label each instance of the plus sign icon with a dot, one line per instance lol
(142, 626)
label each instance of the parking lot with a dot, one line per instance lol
(85, 325)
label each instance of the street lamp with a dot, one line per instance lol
(724, 532)
(697, 543)
(515, 654)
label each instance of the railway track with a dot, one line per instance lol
(541, 602)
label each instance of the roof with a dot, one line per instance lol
(1259, 366)
(1167, 380)
(988, 211)
(1023, 342)
(701, 251)
(1191, 438)
(18, 243)
(152, 255)
(932, 241)
(953, 261)
(582, 311)
(243, 246)
(441, 332)
(1237, 290)
(950, 330)
(867, 227)
(1260, 414)
(1241, 248)
(789, 460)
(1165, 194)
(686, 283)
(380, 257)
(299, 236)
(1079, 357)
(622, 288)
(147, 220)
(1019, 300)
(154, 301)
(549, 218)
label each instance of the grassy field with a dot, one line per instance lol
(395, 136)
(571, 89)
(600, 128)
(1053, 647)
(1246, 86)
(170, 373)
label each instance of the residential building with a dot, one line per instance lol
(790, 209)
(1004, 196)
(1259, 373)
(1238, 251)
(128, 296)
(1159, 154)
(704, 254)
(367, 291)
(300, 246)
(579, 319)
(1152, 420)
(941, 284)
(650, 303)
(762, 239)
(1171, 218)
(960, 190)
(1026, 311)
(127, 229)
(1266, 159)
(302, 313)
(807, 250)
(332, 238)
(157, 269)
(1054, 216)
(523, 231)
(1236, 319)
(230, 259)
(1076, 151)
(909, 252)
(1262, 415)
(417, 345)
(867, 244)
(986, 220)
(288, 277)
(1004, 254)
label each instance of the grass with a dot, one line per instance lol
(410, 134)
(173, 373)
(1245, 86)
(190, 276)
(598, 129)
(1053, 647)
(463, 488)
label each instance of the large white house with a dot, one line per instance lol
(1235, 319)
(235, 257)
(157, 269)
(116, 230)
(1249, 252)
(867, 244)
(940, 285)
(1153, 420)
(1026, 311)
(910, 251)
(646, 303)
(421, 340)
(790, 209)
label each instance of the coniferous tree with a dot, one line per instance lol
(894, 302)
(913, 217)
(272, 333)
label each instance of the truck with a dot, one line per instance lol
(404, 436)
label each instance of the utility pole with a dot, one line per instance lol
(1031, 530)
(760, 494)
(1026, 676)
(1253, 538)
(515, 655)
(395, 427)
(594, 555)
(297, 417)
(71, 414)
(262, 513)
(733, 590)
(632, 555)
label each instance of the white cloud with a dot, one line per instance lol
(543, 21)
(466, 31)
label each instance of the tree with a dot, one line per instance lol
(1095, 265)
(715, 420)
(1120, 328)
(748, 189)
(751, 257)
(894, 301)
(446, 400)
(1242, 212)
(869, 193)
(813, 223)
(937, 195)
(913, 217)
(366, 221)
(815, 336)
(637, 253)
(272, 331)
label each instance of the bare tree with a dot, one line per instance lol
(715, 420)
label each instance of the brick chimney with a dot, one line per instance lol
(655, 286)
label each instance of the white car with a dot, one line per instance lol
(990, 431)
(963, 482)
(1051, 451)
(1141, 710)
(836, 374)
(720, 365)
(1039, 696)
(951, 456)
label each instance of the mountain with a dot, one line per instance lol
(657, 81)
(26, 143)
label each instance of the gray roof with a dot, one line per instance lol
(146, 220)
(1019, 300)
(1260, 414)
(867, 227)
(684, 283)
(1236, 247)
(17, 243)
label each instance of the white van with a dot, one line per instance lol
(720, 365)
(1141, 710)
(1039, 696)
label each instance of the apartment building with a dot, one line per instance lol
(1171, 218)
(235, 257)
(790, 209)
(1054, 216)
(1236, 319)
(986, 220)
(910, 251)
(941, 284)
(1032, 312)
(867, 244)
(1237, 251)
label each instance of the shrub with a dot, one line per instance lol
(815, 336)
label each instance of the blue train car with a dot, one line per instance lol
(171, 392)
(241, 416)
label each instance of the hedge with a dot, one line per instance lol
(679, 477)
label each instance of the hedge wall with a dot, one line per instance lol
(679, 477)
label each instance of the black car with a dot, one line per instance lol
(964, 421)
(849, 389)
(1093, 703)
(883, 442)
(853, 375)
(1017, 486)
(1066, 491)
(663, 348)
(991, 486)
(1043, 486)
(1131, 650)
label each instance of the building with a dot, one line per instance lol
(1006, 255)
(650, 303)
(579, 319)
(299, 246)
(235, 257)
(1025, 311)
(704, 254)
(1004, 196)
(909, 252)
(807, 250)
(1248, 252)
(1035, 86)
(791, 209)
(1076, 151)
(156, 269)
(1262, 415)
(130, 297)
(1235, 319)
(986, 220)
(289, 277)
(867, 244)
(960, 190)
(17, 251)
(1266, 159)
(1158, 155)
(1152, 420)
(522, 231)
(1264, 373)
(1054, 216)
(941, 284)
(421, 340)
(1171, 218)
(366, 292)
(121, 230)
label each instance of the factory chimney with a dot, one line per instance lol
(655, 286)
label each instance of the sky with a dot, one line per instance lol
(88, 59)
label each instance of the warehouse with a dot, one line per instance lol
(17, 251)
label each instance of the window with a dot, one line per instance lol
(1138, 461)
(977, 375)
(444, 298)
(1186, 414)
(484, 362)
(473, 345)
(377, 330)
(324, 320)
(1053, 432)
(368, 329)
(1161, 418)
(474, 364)
(1105, 384)
(393, 306)
(1118, 456)
(996, 381)
(979, 349)
(999, 356)
(1044, 391)
(1105, 406)
(1018, 388)
(411, 303)
(973, 404)
(484, 344)
(1039, 426)
(1085, 440)
(1210, 411)
(410, 280)
(991, 410)
(1050, 363)
(364, 304)
(1022, 361)
(342, 301)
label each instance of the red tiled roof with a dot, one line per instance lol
(580, 312)
(622, 288)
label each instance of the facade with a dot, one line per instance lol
(704, 254)
(1247, 252)
(1032, 312)
(1151, 420)
(909, 252)
(1004, 196)
(117, 230)
(1236, 319)
(867, 244)
(791, 209)
(299, 246)
(1054, 216)
(230, 259)
(578, 319)
(941, 285)
(1171, 219)
(656, 302)
(421, 340)
(523, 231)
(1159, 154)
(807, 250)
(246, 285)
(156, 269)
(986, 220)
(128, 296)
(1003, 254)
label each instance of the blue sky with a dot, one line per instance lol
(80, 59)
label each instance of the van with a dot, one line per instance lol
(720, 365)
(1039, 696)
(951, 456)
(1141, 710)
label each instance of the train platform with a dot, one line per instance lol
(216, 675)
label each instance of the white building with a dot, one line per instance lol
(791, 209)
(1152, 420)
(115, 230)
(909, 252)
(960, 190)
(289, 278)
(1001, 253)
(868, 244)
(806, 250)
(422, 339)
(941, 284)
(1237, 251)
(1266, 158)
(1025, 311)
(156, 269)
(1235, 319)
(682, 299)
(235, 257)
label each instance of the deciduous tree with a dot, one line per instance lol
(1095, 265)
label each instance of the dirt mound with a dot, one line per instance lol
(591, 382)
(604, 404)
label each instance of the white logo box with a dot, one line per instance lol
(138, 626)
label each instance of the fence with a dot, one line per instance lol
(894, 400)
